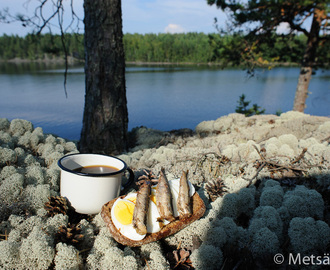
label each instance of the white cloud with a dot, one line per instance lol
(173, 28)
(151, 16)
(283, 28)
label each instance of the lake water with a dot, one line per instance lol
(159, 97)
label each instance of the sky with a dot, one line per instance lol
(139, 16)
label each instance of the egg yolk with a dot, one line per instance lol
(132, 199)
(153, 198)
(124, 212)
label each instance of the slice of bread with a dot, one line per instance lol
(171, 228)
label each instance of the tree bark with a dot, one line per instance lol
(105, 113)
(308, 63)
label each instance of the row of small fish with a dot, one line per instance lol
(153, 206)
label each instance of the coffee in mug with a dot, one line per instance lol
(89, 181)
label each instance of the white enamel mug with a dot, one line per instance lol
(88, 192)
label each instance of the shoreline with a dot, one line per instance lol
(75, 61)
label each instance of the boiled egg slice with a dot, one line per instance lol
(122, 216)
(153, 225)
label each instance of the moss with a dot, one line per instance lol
(52, 158)
(50, 139)
(30, 160)
(264, 242)
(19, 126)
(52, 177)
(36, 251)
(88, 232)
(207, 257)
(317, 149)
(70, 147)
(59, 148)
(322, 178)
(216, 237)
(37, 195)
(36, 138)
(67, 257)
(11, 188)
(286, 151)
(246, 201)
(271, 150)
(284, 215)
(24, 140)
(6, 139)
(290, 140)
(15, 221)
(266, 217)
(304, 202)
(308, 236)
(53, 223)
(7, 156)
(112, 259)
(246, 151)
(148, 248)
(307, 143)
(198, 229)
(42, 212)
(21, 155)
(157, 261)
(271, 183)
(14, 236)
(7, 171)
(4, 124)
(230, 228)
(103, 241)
(9, 258)
(25, 226)
(34, 175)
(272, 196)
(229, 206)
(46, 149)
(93, 261)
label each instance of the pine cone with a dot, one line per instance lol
(215, 188)
(56, 205)
(182, 260)
(70, 234)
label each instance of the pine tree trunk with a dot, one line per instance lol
(307, 64)
(105, 114)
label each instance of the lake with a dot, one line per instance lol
(159, 97)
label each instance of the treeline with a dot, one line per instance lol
(34, 47)
(172, 48)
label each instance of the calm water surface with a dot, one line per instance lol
(162, 98)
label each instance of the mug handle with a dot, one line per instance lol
(130, 179)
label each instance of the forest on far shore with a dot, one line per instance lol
(168, 48)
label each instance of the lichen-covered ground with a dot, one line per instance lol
(264, 179)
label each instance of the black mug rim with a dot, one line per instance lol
(59, 163)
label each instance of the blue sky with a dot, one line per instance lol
(139, 16)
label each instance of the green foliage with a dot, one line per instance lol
(34, 47)
(259, 21)
(227, 50)
(190, 47)
(243, 104)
